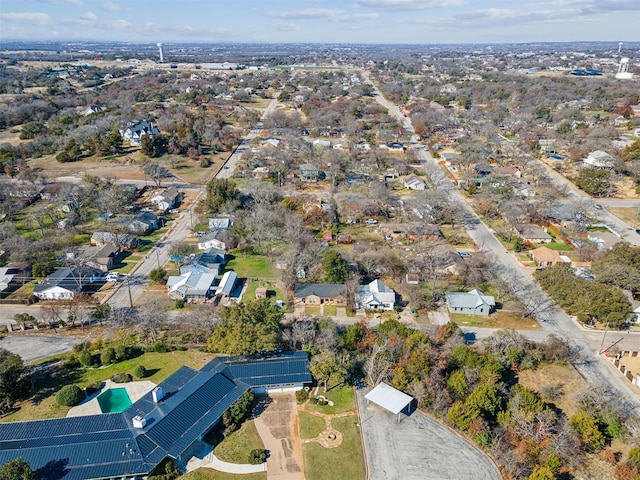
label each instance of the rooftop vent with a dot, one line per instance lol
(157, 394)
(139, 422)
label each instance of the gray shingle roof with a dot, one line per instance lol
(322, 290)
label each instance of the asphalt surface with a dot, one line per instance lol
(35, 347)
(417, 448)
(552, 319)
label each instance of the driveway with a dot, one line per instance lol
(417, 448)
(276, 418)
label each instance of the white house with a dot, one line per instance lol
(190, 285)
(376, 296)
(599, 159)
(166, 199)
(414, 183)
(136, 130)
(63, 284)
(219, 239)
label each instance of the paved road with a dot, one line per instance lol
(417, 448)
(552, 319)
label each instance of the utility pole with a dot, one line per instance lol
(158, 257)
(129, 288)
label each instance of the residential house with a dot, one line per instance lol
(449, 158)
(220, 223)
(142, 223)
(270, 143)
(533, 233)
(102, 258)
(123, 240)
(599, 159)
(260, 172)
(219, 239)
(413, 182)
(167, 422)
(64, 283)
(166, 199)
(322, 144)
(376, 296)
(51, 190)
(473, 302)
(227, 284)
(209, 261)
(8, 280)
(508, 171)
(190, 285)
(134, 132)
(315, 294)
(545, 257)
(603, 240)
(261, 293)
(395, 147)
(410, 232)
(362, 145)
(91, 109)
(309, 172)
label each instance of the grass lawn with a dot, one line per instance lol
(210, 474)
(499, 319)
(235, 448)
(43, 404)
(252, 285)
(25, 291)
(457, 236)
(258, 267)
(342, 398)
(310, 425)
(312, 310)
(628, 215)
(330, 310)
(345, 461)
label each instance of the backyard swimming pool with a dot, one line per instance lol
(114, 400)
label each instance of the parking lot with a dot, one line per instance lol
(417, 448)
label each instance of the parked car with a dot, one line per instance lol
(372, 221)
(464, 254)
(112, 277)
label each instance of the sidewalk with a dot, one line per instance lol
(211, 461)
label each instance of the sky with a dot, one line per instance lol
(321, 21)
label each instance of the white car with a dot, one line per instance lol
(112, 277)
(372, 221)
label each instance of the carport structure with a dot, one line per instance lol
(390, 399)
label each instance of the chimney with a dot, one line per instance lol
(157, 394)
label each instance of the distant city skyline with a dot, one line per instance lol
(321, 21)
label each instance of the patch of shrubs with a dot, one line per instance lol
(93, 388)
(320, 401)
(257, 456)
(302, 396)
(69, 395)
(140, 372)
(121, 378)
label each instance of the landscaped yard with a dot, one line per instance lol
(310, 425)
(559, 246)
(235, 448)
(210, 474)
(252, 285)
(342, 462)
(159, 365)
(342, 398)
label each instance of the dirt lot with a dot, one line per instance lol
(276, 418)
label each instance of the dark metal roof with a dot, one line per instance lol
(281, 369)
(107, 446)
(322, 290)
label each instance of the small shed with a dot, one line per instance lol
(390, 399)
(261, 292)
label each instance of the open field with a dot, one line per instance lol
(556, 384)
(159, 365)
(629, 215)
(500, 319)
(342, 462)
(258, 267)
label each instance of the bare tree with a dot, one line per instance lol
(378, 366)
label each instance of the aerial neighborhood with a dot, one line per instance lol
(321, 263)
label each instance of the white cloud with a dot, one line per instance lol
(89, 16)
(307, 13)
(75, 3)
(287, 27)
(110, 6)
(410, 4)
(28, 18)
(323, 14)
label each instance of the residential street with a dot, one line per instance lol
(551, 318)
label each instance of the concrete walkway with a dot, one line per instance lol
(209, 460)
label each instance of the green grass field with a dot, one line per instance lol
(251, 267)
(342, 398)
(310, 425)
(235, 448)
(209, 474)
(43, 403)
(345, 461)
(500, 319)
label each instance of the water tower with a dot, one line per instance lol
(161, 52)
(619, 46)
